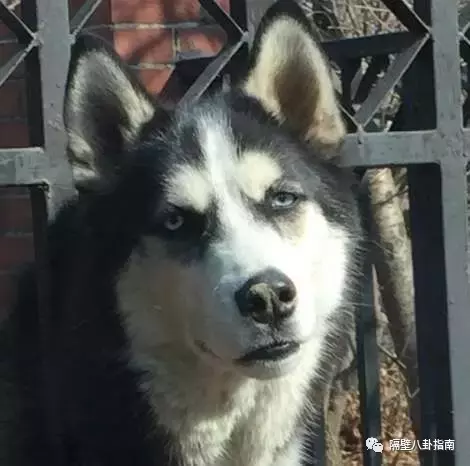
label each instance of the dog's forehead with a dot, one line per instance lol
(217, 163)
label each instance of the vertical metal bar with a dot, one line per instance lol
(447, 252)
(47, 71)
(368, 357)
(419, 111)
(49, 412)
(46, 76)
(454, 217)
(431, 311)
(444, 20)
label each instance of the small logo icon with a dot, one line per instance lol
(373, 444)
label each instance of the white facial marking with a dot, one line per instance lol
(251, 173)
(189, 187)
(169, 305)
(199, 297)
(314, 257)
(256, 172)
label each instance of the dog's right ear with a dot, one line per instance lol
(290, 76)
(105, 109)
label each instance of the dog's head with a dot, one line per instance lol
(242, 232)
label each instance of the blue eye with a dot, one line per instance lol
(283, 200)
(173, 221)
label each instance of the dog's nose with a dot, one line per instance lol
(267, 297)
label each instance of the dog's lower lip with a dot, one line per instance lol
(273, 352)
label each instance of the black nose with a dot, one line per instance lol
(268, 297)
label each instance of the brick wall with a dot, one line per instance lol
(153, 36)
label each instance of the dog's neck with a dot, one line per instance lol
(219, 417)
(181, 384)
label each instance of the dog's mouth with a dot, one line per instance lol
(276, 351)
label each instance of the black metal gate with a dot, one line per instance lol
(429, 139)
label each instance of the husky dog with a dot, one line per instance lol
(195, 281)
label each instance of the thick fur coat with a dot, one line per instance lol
(204, 274)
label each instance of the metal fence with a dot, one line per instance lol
(428, 138)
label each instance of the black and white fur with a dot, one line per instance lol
(153, 353)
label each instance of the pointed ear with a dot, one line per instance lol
(104, 111)
(290, 76)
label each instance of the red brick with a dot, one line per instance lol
(152, 45)
(15, 213)
(102, 14)
(154, 11)
(207, 40)
(13, 99)
(15, 250)
(13, 134)
(155, 79)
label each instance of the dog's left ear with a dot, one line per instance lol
(290, 76)
(105, 109)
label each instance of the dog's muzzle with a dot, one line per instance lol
(268, 297)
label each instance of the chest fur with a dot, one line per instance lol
(227, 422)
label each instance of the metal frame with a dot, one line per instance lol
(431, 142)
(46, 60)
